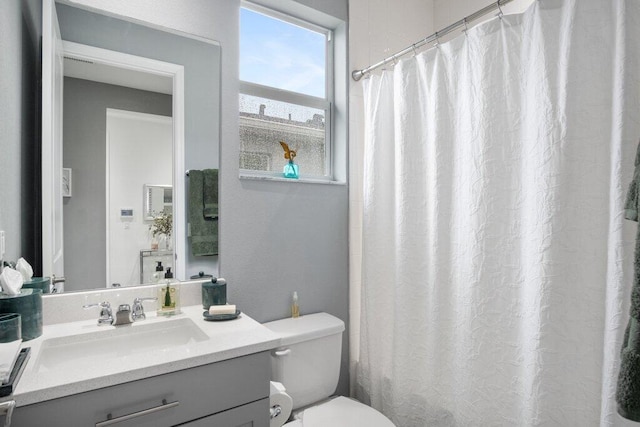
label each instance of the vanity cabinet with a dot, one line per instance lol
(249, 415)
(230, 393)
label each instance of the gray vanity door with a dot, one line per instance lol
(254, 414)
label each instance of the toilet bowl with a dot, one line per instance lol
(340, 412)
(307, 364)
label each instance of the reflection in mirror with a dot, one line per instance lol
(139, 149)
(108, 228)
(115, 151)
(157, 199)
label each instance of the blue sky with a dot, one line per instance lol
(279, 54)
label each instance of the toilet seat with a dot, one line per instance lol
(341, 412)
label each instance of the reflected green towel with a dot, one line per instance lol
(202, 231)
(210, 193)
(628, 388)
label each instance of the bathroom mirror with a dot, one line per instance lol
(157, 199)
(89, 231)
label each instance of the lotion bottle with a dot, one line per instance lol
(169, 295)
(295, 309)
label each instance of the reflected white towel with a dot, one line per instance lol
(25, 269)
(11, 281)
(8, 355)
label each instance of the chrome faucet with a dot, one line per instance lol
(138, 308)
(106, 315)
(54, 281)
(123, 315)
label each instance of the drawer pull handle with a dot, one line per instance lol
(110, 421)
(281, 353)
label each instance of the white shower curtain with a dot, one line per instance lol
(496, 262)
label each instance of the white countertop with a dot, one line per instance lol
(228, 339)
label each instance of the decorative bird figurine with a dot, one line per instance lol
(289, 154)
(290, 169)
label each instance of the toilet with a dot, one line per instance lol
(307, 364)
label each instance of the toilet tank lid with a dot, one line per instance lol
(305, 328)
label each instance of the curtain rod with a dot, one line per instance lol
(358, 74)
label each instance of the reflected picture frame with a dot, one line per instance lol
(66, 182)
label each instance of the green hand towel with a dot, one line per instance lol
(628, 387)
(203, 231)
(210, 195)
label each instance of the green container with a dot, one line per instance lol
(28, 304)
(10, 327)
(214, 292)
(42, 283)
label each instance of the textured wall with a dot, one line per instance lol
(449, 11)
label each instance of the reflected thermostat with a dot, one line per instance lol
(126, 214)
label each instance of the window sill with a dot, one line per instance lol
(252, 177)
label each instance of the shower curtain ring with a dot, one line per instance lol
(500, 9)
(464, 22)
(437, 36)
(415, 52)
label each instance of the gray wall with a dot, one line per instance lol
(20, 30)
(280, 237)
(201, 63)
(85, 127)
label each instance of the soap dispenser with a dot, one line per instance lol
(159, 274)
(169, 295)
(295, 308)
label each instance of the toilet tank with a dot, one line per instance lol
(307, 362)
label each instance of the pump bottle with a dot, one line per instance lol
(295, 309)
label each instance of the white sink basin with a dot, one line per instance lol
(112, 344)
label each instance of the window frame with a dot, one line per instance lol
(281, 95)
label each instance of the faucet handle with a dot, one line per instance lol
(106, 315)
(137, 311)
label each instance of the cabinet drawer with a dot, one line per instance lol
(250, 415)
(199, 391)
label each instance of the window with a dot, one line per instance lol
(286, 92)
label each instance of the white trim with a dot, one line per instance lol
(107, 191)
(52, 261)
(251, 175)
(176, 72)
(276, 94)
(119, 59)
(48, 50)
(179, 184)
(286, 17)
